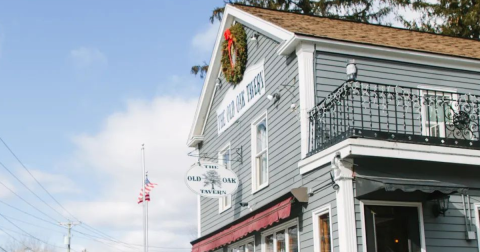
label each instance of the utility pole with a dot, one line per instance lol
(69, 225)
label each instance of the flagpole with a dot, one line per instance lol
(143, 202)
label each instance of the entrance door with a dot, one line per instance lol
(392, 229)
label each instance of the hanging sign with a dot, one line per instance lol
(211, 180)
(239, 98)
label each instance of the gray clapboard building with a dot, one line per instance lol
(384, 159)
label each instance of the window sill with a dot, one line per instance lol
(223, 210)
(259, 188)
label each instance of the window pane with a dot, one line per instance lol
(262, 172)
(226, 201)
(250, 247)
(269, 243)
(226, 159)
(293, 239)
(262, 136)
(280, 237)
(325, 239)
(241, 248)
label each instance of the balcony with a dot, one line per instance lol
(395, 114)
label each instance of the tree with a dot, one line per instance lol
(459, 18)
(28, 244)
(212, 178)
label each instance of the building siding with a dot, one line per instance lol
(330, 74)
(318, 181)
(283, 137)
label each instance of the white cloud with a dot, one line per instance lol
(54, 183)
(113, 156)
(4, 192)
(85, 57)
(204, 40)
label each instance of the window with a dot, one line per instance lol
(393, 227)
(259, 153)
(245, 245)
(322, 230)
(281, 239)
(438, 108)
(224, 159)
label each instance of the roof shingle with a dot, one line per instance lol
(369, 34)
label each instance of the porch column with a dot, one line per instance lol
(305, 53)
(347, 233)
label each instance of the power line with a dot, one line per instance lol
(28, 171)
(20, 197)
(36, 217)
(19, 228)
(36, 195)
(86, 226)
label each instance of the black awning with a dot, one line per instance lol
(376, 187)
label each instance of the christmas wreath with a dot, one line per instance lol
(234, 53)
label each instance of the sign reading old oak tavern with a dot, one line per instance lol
(211, 180)
(240, 97)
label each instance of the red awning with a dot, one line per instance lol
(256, 222)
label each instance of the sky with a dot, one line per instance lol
(83, 84)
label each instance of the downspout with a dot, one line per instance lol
(467, 228)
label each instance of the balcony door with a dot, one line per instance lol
(393, 228)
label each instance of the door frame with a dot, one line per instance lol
(418, 205)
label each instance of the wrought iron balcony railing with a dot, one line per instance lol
(378, 111)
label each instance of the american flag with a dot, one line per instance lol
(148, 187)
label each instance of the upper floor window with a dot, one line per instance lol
(260, 153)
(281, 239)
(224, 156)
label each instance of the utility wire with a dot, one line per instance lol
(20, 197)
(19, 228)
(28, 171)
(56, 201)
(20, 210)
(36, 195)
(35, 225)
(51, 196)
(11, 236)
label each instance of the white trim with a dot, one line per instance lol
(230, 14)
(306, 89)
(242, 242)
(255, 186)
(418, 205)
(273, 230)
(227, 147)
(476, 206)
(316, 228)
(380, 52)
(389, 149)
(437, 88)
(199, 216)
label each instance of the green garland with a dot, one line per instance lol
(235, 75)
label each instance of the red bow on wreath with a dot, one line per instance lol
(229, 38)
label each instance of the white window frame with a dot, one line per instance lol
(426, 90)
(281, 227)
(418, 205)
(476, 206)
(255, 184)
(327, 209)
(243, 242)
(221, 201)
